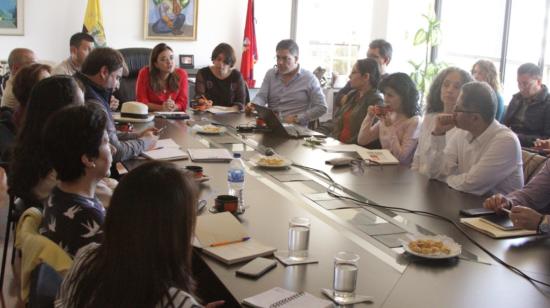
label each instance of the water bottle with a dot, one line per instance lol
(235, 180)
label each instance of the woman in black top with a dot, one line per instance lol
(220, 84)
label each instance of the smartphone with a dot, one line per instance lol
(479, 211)
(257, 267)
(502, 222)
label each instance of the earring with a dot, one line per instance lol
(93, 165)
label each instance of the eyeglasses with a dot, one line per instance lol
(461, 109)
(283, 59)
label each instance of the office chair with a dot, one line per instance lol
(15, 208)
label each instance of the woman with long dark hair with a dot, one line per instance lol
(441, 99)
(32, 177)
(161, 85)
(145, 257)
(398, 126)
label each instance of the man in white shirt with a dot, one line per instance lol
(483, 156)
(80, 46)
(18, 58)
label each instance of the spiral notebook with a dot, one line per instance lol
(279, 297)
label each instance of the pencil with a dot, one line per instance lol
(229, 242)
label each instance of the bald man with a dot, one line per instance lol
(18, 58)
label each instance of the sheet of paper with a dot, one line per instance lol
(223, 109)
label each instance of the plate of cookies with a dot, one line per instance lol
(432, 247)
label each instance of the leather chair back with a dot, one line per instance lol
(136, 58)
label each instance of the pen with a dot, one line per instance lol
(160, 130)
(158, 148)
(506, 210)
(230, 242)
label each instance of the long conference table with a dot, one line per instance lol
(393, 278)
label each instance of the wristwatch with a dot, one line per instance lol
(544, 225)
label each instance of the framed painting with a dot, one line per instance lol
(170, 19)
(11, 17)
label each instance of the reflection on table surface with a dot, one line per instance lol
(392, 278)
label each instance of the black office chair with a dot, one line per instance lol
(45, 282)
(15, 209)
(136, 59)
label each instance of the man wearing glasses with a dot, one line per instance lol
(290, 90)
(528, 114)
(483, 156)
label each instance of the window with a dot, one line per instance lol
(525, 40)
(471, 30)
(333, 34)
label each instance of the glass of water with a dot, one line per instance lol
(298, 238)
(345, 275)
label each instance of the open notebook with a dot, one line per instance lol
(223, 237)
(165, 149)
(279, 297)
(378, 156)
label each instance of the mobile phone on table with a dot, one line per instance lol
(502, 222)
(257, 267)
(478, 211)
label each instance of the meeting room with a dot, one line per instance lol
(290, 153)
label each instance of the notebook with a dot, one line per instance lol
(279, 297)
(210, 155)
(174, 115)
(480, 225)
(165, 149)
(223, 237)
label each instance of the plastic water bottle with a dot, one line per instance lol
(235, 179)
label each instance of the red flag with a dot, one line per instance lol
(250, 51)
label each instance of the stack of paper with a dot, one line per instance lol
(224, 238)
(210, 155)
(166, 149)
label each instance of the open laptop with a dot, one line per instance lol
(287, 130)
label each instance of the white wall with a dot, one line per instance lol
(50, 23)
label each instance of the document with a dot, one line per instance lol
(223, 237)
(210, 155)
(165, 149)
(223, 109)
(379, 156)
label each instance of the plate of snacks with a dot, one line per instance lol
(273, 161)
(432, 247)
(209, 129)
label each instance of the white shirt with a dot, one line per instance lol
(66, 67)
(490, 163)
(8, 99)
(422, 160)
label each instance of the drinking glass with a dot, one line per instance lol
(298, 238)
(345, 275)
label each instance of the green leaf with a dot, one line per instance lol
(420, 37)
